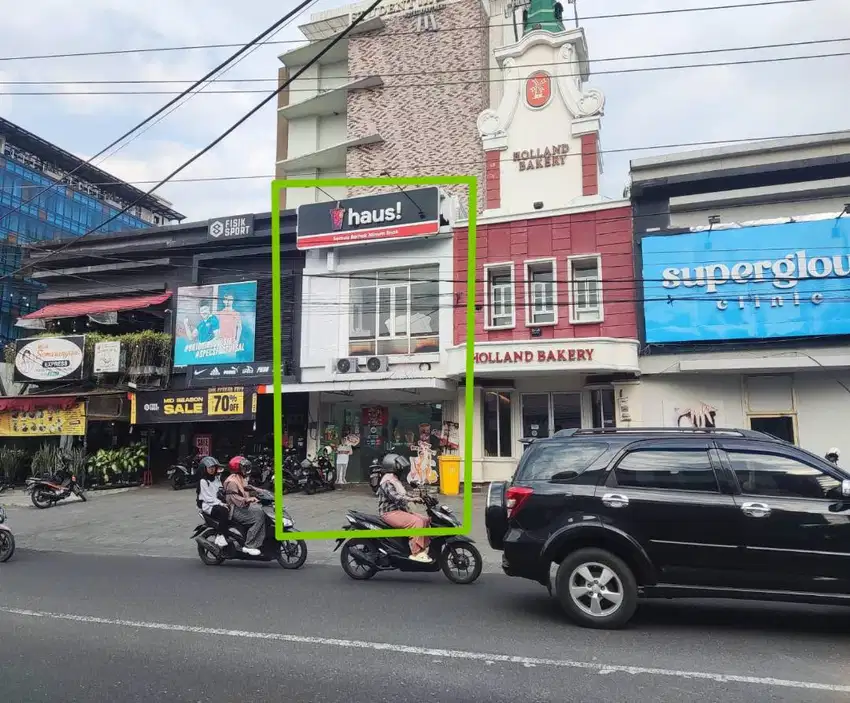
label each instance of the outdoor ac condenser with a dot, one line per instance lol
(347, 364)
(378, 364)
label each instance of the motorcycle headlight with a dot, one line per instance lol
(287, 522)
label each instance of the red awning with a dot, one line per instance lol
(32, 403)
(92, 307)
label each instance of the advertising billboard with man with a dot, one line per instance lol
(215, 324)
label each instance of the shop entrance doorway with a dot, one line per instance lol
(780, 426)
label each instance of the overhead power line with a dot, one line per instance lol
(213, 143)
(165, 107)
(193, 47)
(354, 76)
(471, 81)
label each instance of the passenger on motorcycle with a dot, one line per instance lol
(393, 502)
(245, 507)
(209, 488)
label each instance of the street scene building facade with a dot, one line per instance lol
(743, 258)
(556, 333)
(168, 343)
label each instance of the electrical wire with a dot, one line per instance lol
(354, 76)
(190, 47)
(165, 107)
(215, 141)
(470, 81)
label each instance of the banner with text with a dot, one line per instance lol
(46, 422)
(209, 405)
(216, 324)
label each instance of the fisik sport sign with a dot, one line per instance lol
(372, 218)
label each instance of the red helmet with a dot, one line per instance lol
(239, 464)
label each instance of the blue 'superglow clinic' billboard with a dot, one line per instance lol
(215, 324)
(760, 282)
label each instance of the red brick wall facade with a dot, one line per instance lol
(607, 233)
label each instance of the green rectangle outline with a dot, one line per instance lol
(469, 403)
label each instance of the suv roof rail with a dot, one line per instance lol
(667, 430)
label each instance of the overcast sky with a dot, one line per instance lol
(643, 108)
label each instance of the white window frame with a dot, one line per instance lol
(488, 316)
(571, 262)
(527, 266)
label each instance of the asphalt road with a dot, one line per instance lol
(111, 628)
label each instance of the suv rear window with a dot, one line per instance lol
(544, 462)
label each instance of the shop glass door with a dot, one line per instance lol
(535, 415)
(566, 411)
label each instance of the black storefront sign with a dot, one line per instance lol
(202, 376)
(372, 218)
(208, 405)
(231, 227)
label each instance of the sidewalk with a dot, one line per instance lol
(158, 521)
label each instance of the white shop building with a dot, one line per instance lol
(376, 324)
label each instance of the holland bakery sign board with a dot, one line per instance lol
(49, 359)
(373, 218)
(524, 357)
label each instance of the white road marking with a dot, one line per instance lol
(484, 657)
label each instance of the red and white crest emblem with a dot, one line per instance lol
(538, 89)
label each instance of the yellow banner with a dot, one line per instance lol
(226, 403)
(49, 422)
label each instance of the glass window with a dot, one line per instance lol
(541, 293)
(667, 469)
(781, 476)
(500, 296)
(566, 411)
(496, 415)
(545, 462)
(535, 415)
(585, 290)
(395, 312)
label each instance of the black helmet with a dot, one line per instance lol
(394, 464)
(209, 462)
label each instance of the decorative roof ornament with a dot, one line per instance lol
(546, 15)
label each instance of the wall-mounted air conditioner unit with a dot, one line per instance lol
(347, 364)
(378, 364)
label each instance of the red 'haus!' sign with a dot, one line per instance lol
(540, 356)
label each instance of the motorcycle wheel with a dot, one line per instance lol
(208, 557)
(353, 568)
(176, 482)
(80, 493)
(309, 488)
(7, 545)
(457, 554)
(292, 554)
(39, 500)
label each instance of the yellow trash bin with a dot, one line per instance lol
(449, 475)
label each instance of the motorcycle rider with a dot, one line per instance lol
(832, 455)
(393, 502)
(245, 508)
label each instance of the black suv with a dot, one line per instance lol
(603, 517)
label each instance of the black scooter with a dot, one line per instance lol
(185, 474)
(290, 554)
(318, 476)
(375, 475)
(456, 555)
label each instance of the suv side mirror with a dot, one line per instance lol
(845, 488)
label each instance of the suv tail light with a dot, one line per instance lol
(515, 496)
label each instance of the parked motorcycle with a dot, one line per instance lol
(290, 554)
(375, 475)
(262, 472)
(294, 476)
(7, 539)
(45, 492)
(456, 555)
(184, 474)
(320, 474)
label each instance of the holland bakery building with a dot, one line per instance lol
(556, 329)
(744, 253)
(376, 325)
